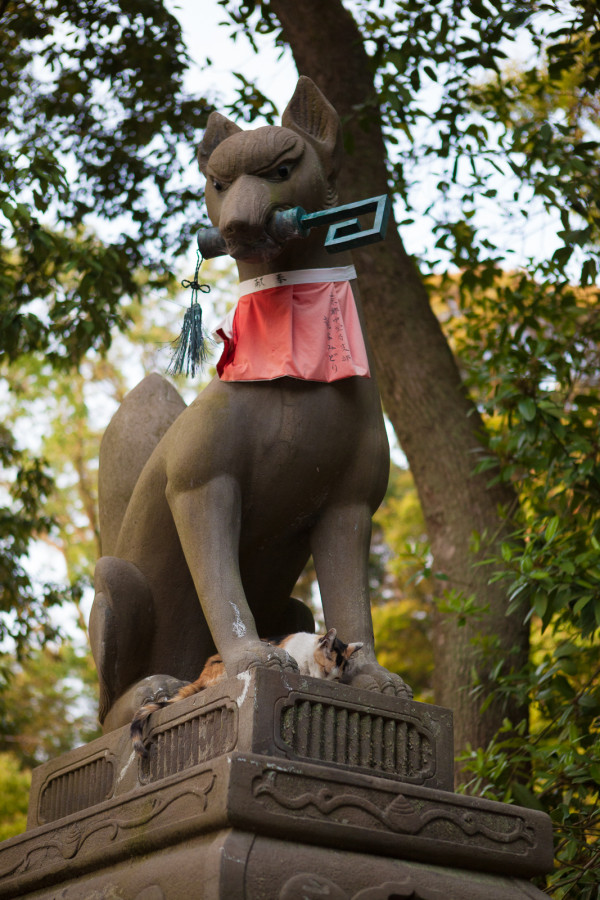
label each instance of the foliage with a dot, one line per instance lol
(401, 598)
(14, 796)
(51, 502)
(403, 643)
(49, 704)
(24, 606)
(534, 371)
(398, 534)
(93, 116)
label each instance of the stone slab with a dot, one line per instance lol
(277, 870)
(307, 804)
(267, 712)
(237, 865)
(312, 804)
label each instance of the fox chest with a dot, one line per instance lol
(285, 443)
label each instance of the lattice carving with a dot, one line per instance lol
(330, 732)
(76, 789)
(205, 735)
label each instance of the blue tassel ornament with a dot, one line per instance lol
(191, 347)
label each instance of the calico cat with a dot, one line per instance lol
(319, 655)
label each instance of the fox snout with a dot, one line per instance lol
(244, 219)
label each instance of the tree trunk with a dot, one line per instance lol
(437, 425)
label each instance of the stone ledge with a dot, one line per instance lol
(267, 712)
(300, 802)
(313, 804)
(234, 864)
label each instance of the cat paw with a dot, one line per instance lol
(373, 677)
(258, 653)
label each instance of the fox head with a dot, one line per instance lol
(252, 174)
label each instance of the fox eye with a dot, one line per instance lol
(218, 185)
(281, 173)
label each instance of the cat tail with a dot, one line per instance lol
(136, 729)
(138, 723)
(213, 672)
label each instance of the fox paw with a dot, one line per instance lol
(258, 653)
(373, 677)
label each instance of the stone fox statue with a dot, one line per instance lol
(209, 513)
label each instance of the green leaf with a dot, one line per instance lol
(540, 604)
(526, 798)
(582, 603)
(551, 528)
(528, 408)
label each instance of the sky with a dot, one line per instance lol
(275, 75)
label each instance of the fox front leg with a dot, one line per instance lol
(340, 545)
(208, 520)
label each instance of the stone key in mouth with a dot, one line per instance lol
(344, 233)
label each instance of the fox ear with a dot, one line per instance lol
(313, 117)
(351, 649)
(327, 639)
(218, 128)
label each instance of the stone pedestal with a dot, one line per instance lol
(267, 786)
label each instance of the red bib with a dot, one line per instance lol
(309, 331)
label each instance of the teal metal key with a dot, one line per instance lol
(345, 231)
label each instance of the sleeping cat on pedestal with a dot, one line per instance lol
(320, 656)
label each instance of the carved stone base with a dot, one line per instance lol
(273, 786)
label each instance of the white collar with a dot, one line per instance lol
(298, 276)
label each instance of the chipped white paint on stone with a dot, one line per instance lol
(245, 677)
(239, 629)
(123, 771)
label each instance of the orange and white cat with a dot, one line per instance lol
(318, 655)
